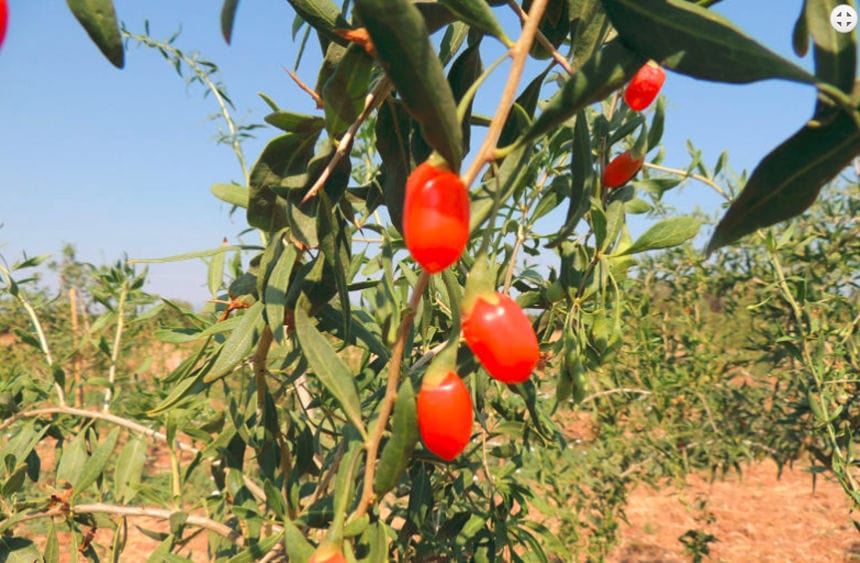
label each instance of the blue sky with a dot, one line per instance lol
(121, 161)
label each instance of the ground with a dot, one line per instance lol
(755, 517)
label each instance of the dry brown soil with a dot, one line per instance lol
(755, 517)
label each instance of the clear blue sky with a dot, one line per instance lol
(121, 161)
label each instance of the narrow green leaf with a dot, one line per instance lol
(588, 27)
(15, 481)
(295, 122)
(215, 273)
(238, 345)
(190, 255)
(232, 194)
(258, 550)
(404, 436)
(228, 16)
(697, 42)
(409, 59)
(606, 71)
(275, 294)
(665, 234)
(323, 15)
(328, 367)
(345, 90)
(345, 480)
(52, 546)
(478, 15)
(298, 548)
(655, 132)
(787, 181)
(72, 460)
(555, 25)
(129, 469)
(800, 34)
(98, 19)
(835, 53)
(392, 142)
(96, 462)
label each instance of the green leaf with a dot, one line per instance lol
(323, 15)
(52, 546)
(835, 53)
(258, 550)
(215, 273)
(129, 469)
(275, 294)
(18, 550)
(607, 70)
(328, 367)
(588, 25)
(295, 122)
(284, 156)
(800, 34)
(555, 25)
(15, 481)
(392, 142)
(344, 92)
(409, 59)
(96, 463)
(238, 345)
(697, 42)
(478, 15)
(72, 460)
(298, 548)
(98, 18)
(665, 234)
(787, 181)
(232, 194)
(189, 255)
(228, 16)
(404, 436)
(465, 70)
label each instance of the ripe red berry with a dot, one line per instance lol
(501, 336)
(445, 415)
(621, 169)
(4, 19)
(644, 86)
(435, 217)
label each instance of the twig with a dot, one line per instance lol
(520, 52)
(117, 340)
(541, 38)
(685, 174)
(379, 92)
(255, 489)
(613, 392)
(160, 513)
(372, 445)
(310, 91)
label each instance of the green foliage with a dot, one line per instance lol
(290, 421)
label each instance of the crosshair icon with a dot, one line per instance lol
(843, 18)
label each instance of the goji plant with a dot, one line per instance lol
(291, 429)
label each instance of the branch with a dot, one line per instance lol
(161, 514)
(372, 445)
(520, 52)
(255, 489)
(541, 38)
(379, 93)
(310, 91)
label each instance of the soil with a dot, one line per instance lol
(753, 517)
